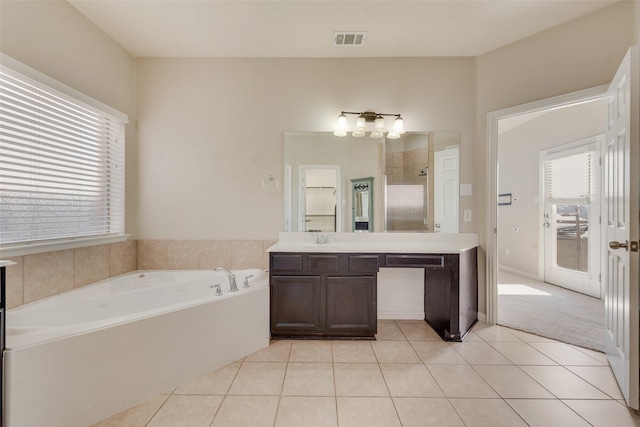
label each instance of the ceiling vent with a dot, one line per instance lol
(349, 38)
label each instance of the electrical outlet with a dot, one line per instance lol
(467, 215)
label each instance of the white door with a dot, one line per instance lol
(621, 214)
(446, 186)
(571, 194)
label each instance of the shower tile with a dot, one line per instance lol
(152, 254)
(192, 411)
(295, 411)
(47, 274)
(259, 378)
(138, 415)
(90, 264)
(122, 257)
(242, 411)
(214, 383)
(15, 283)
(246, 254)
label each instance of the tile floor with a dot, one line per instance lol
(408, 377)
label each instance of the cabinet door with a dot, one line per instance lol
(351, 306)
(295, 305)
(438, 300)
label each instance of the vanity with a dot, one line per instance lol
(329, 290)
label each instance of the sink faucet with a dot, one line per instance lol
(232, 279)
(321, 239)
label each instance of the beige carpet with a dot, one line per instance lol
(550, 311)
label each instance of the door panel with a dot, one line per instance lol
(621, 199)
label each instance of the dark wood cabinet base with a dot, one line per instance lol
(333, 295)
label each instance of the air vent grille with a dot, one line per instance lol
(349, 38)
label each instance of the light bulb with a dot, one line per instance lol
(341, 126)
(398, 125)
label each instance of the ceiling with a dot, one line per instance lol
(289, 28)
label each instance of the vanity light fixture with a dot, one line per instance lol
(377, 119)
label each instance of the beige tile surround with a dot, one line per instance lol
(43, 275)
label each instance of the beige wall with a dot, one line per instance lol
(580, 54)
(55, 39)
(210, 130)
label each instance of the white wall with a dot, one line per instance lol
(210, 130)
(55, 39)
(520, 142)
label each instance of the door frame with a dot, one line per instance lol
(302, 194)
(491, 225)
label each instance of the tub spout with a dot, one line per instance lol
(232, 279)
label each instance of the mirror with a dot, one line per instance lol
(423, 164)
(362, 204)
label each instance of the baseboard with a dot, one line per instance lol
(519, 273)
(482, 317)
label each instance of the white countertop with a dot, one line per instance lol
(423, 243)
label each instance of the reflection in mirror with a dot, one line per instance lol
(418, 175)
(362, 204)
(318, 188)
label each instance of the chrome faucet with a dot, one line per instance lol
(321, 239)
(232, 279)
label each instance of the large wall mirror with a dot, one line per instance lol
(415, 181)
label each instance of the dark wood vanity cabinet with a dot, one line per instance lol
(323, 295)
(330, 295)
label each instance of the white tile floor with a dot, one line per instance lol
(408, 377)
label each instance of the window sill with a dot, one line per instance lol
(11, 250)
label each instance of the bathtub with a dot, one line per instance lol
(82, 356)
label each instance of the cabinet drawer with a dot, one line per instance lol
(286, 263)
(324, 264)
(414, 260)
(364, 264)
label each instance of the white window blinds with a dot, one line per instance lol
(61, 164)
(568, 179)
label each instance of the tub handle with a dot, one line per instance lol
(246, 281)
(218, 289)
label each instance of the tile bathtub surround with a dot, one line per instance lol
(43, 275)
(408, 377)
(203, 254)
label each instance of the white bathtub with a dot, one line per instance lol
(79, 357)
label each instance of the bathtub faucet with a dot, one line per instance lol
(232, 279)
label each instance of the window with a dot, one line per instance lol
(61, 164)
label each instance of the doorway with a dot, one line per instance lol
(319, 187)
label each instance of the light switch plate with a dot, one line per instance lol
(467, 215)
(465, 189)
